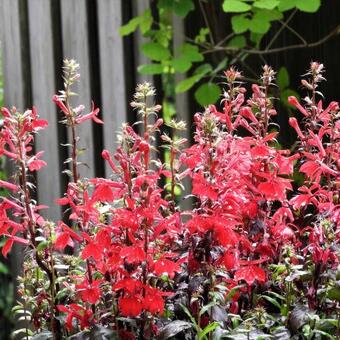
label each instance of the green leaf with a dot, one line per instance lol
(3, 269)
(130, 27)
(188, 83)
(222, 65)
(212, 326)
(286, 5)
(256, 38)
(191, 53)
(183, 7)
(282, 78)
(150, 69)
(272, 301)
(238, 41)
(285, 94)
(155, 51)
(235, 6)
(202, 36)
(310, 6)
(207, 93)
(258, 24)
(266, 4)
(334, 293)
(181, 64)
(166, 4)
(269, 15)
(146, 21)
(203, 69)
(42, 245)
(239, 23)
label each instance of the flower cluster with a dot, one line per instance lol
(126, 257)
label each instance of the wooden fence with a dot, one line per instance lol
(36, 36)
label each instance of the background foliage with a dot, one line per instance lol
(244, 33)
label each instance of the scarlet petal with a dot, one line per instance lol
(130, 306)
(62, 241)
(7, 247)
(91, 250)
(250, 274)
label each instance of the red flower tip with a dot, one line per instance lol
(106, 155)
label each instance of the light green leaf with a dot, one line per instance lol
(310, 6)
(286, 5)
(235, 6)
(191, 53)
(202, 36)
(183, 7)
(282, 78)
(150, 69)
(266, 4)
(259, 25)
(188, 83)
(207, 94)
(240, 23)
(130, 27)
(181, 65)
(155, 51)
(212, 326)
(42, 245)
(146, 21)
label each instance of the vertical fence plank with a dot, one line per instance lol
(14, 92)
(112, 76)
(43, 88)
(11, 54)
(139, 7)
(181, 99)
(76, 46)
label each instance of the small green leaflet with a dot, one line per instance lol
(310, 6)
(235, 6)
(150, 69)
(266, 4)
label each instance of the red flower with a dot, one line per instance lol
(153, 301)
(164, 266)
(90, 292)
(250, 274)
(77, 312)
(130, 306)
(133, 254)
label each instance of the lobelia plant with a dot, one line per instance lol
(256, 256)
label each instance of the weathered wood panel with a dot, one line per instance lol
(43, 88)
(139, 7)
(11, 54)
(113, 94)
(75, 44)
(181, 101)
